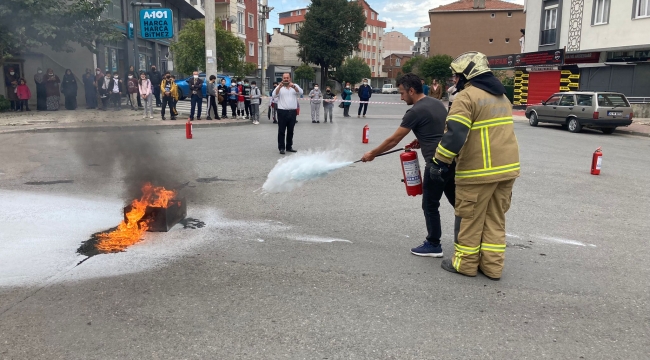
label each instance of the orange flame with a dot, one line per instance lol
(131, 231)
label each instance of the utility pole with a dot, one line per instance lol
(264, 10)
(210, 39)
(134, 5)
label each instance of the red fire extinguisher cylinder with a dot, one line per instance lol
(366, 134)
(188, 130)
(596, 162)
(411, 171)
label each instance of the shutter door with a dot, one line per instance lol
(541, 85)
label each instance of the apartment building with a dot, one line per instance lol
(242, 17)
(607, 47)
(370, 46)
(421, 46)
(396, 42)
(393, 65)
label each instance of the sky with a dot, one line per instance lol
(406, 16)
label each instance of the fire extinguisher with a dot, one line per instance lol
(411, 171)
(596, 162)
(366, 134)
(188, 130)
(298, 109)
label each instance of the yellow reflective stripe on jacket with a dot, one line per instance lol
(493, 247)
(486, 172)
(466, 249)
(446, 153)
(461, 119)
(485, 145)
(492, 122)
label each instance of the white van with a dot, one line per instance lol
(389, 89)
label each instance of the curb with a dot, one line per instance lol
(633, 133)
(181, 125)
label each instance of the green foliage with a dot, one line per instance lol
(353, 70)
(243, 69)
(435, 67)
(189, 50)
(4, 103)
(26, 24)
(506, 77)
(331, 31)
(304, 72)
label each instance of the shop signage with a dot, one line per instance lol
(582, 58)
(156, 23)
(549, 57)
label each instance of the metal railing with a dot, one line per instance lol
(639, 100)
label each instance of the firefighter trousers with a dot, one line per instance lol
(480, 229)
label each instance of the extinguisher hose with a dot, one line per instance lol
(386, 153)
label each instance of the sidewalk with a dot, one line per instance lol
(639, 127)
(66, 120)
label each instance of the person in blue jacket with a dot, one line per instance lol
(232, 98)
(347, 95)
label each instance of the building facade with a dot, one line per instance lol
(372, 36)
(396, 42)
(393, 65)
(492, 27)
(283, 57)
(242, 18)
(607, 46)
(422, 36)
(111, 57)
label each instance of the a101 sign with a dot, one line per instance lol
(156, 23)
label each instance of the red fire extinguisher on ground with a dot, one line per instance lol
(366, 134)
(596, 162)
(188, 130)
(411, 171)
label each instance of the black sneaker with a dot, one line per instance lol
(428, 250)
(198, 118)
(208, 118)
(173, 117)
(446, 264)
(317, 122)
(313, 122)
(275, 121)
(282, 152)
(292, 150)
(489, 277)
(164, 118)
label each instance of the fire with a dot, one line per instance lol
(131, 231)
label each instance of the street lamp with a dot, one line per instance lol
(264, 9)
(136, 61)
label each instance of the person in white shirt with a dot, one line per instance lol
(287, 94)
(256, 97)
(316, 97)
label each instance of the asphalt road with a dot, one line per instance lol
(323, 272)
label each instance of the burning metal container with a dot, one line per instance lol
(161, 219)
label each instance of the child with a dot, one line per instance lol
(23, 93)
(328, 103)
(132, 85)
(232, 99)
(241, 99)
(256, 96)
(115, 89)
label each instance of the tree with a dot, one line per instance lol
(331, 31)
(189, 50)
(353, 70)
(413, 64)
(243, 69)
(304, 72)
(436, 67)
(54, 23)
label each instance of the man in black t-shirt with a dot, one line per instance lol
(427, 121)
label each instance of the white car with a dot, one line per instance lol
(389, 89)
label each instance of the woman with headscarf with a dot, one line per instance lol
(89, 89)
(52, 90)
(41, 93)
(69, 89)
(11, 82)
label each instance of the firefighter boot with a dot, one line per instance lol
(447, 265)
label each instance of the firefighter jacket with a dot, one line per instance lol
(480, 136)
(172, 88)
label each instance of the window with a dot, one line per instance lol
(567, 100)
(509, 13)
(584, 100)
(612, 100)
(601, 12)
(491, 41)
(507, 40)
(372, 16)
(297, 27)
(398, 62)
(251, 21)
(241, 27)
(550, 26)
(114, 10)
(251, 49)
(553, 100)
(493, 15)
(642, 9)
(298, 12)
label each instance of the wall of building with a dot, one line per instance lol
(396, 41)
(283, 50)
(621, 31)
(478, 28)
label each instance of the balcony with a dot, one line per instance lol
(548, 37)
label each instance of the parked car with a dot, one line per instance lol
(602, 110)
(376, 90)
(184, 86)
(389, 89)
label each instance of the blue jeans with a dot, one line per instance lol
(431, 195)
(196, 101)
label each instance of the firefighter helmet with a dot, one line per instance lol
(470, 64)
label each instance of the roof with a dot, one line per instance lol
(468, 5)
(293, 36)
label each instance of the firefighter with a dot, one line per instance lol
(480, 137)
